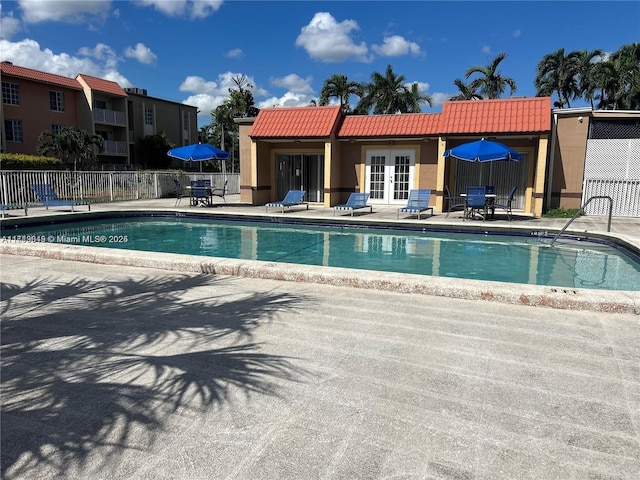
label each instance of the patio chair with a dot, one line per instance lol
(356, 201)
(292, 198)
(4, 208)
(475, 201)
(49, 198)
(507, 205)
(418, 202)
(200, 193)
(220, 192)
(452, 202)
(178, 187)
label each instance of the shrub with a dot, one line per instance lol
(561, 213)
(18, 161)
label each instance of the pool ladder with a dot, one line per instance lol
(581, 209)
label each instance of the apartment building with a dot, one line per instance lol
(35, 101)
(150, 115)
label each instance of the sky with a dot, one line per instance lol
(188, 51)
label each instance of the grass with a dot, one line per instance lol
(561, 213)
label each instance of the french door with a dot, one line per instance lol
(389, 175)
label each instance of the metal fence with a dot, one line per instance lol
(95, 187)
(624, 193)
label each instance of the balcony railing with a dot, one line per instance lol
(111, 147)
(109, 117)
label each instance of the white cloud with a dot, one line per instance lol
(209, 94)
(142, 53)
(100, 61)
(184, 8)
(199, 85)
(438, 98)
(294, 83)
(327, 40)
(422, 86)
(70, 11)
(289, 99)
(103, 53)
(235, 53)
(396, 46)
(486, 49)
(516, 33)
(9, 26)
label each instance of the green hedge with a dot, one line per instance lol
(18, 161)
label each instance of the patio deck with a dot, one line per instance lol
(127, 372)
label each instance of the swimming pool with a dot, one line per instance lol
(525, 259)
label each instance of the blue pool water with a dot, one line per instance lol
(513, 259)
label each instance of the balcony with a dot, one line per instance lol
(111, 147)
(109, 117)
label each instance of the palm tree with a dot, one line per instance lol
(466, 91)
(385, 93)
(605, 83)
(558, 73)
(340, 87)
(626, 62)
(413, 99)
(585, 66)
(491, 83)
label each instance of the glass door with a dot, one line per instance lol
(389, 175)
(300, 172)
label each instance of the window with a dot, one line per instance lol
(148, 116)
(185, 120)
(56, 129)
(10, 93)
(13, 129)
(56, 101)
(100, 104)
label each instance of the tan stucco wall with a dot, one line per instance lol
(568, 162)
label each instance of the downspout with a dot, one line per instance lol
(554, 136)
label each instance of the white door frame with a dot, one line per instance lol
(383, 187)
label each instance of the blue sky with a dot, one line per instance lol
(187, 51)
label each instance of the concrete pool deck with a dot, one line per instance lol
(624, 230)
(123, 372)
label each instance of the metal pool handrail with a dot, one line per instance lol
(581, 209)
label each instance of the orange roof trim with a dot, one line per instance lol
(38, 76)
(407, 124)
(101, 85)
(295, 122)
(509, 115)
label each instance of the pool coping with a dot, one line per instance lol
(605, 301)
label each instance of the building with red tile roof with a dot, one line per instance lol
(330, 154)
(296, 122)
(35, 101)
(101, 85)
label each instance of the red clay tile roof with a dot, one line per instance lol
(509, 115)
(295, 122)
(407, 124)
(102, 85)
(38, 76)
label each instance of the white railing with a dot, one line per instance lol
(109, 117)
(15, 185)
(624, 193)
(112, 147)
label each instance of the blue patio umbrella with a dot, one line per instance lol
(198, 152)
(483, 151)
